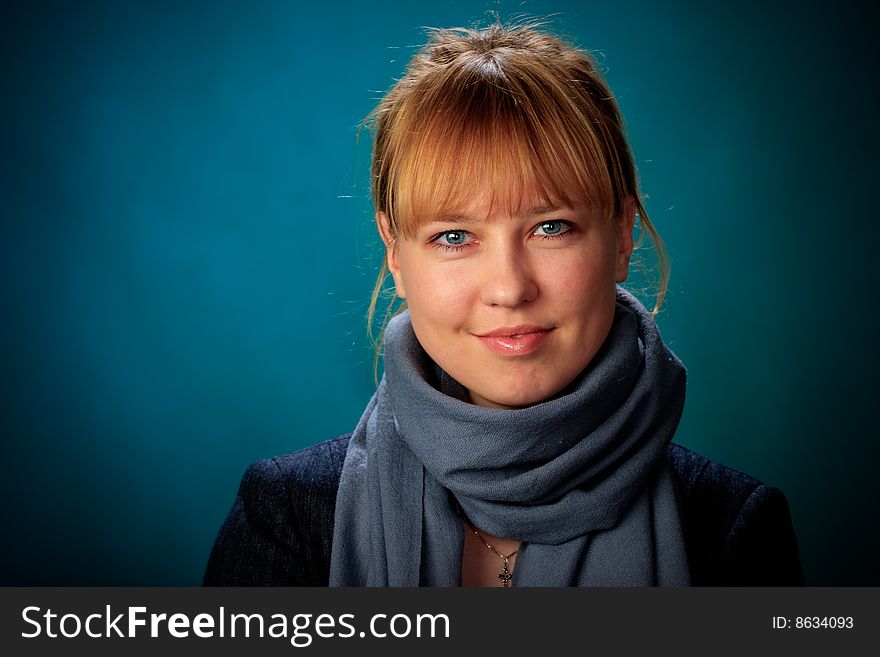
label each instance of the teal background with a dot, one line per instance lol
(187, 254)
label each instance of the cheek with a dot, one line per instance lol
(583, 291)
(580, 280)
(437, 296)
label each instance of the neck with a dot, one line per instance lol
(480, 565)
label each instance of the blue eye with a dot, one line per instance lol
(454, 237)
(556, 228)
(452, 240)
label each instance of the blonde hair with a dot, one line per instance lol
(512, 107)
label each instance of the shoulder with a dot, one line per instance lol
(279, 529)
(738, 530)
(316, 467)
(292, 487)
(707, 482)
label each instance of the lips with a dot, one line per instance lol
(515, 340)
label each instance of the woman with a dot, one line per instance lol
(520, 435)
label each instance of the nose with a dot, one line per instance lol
(508, 280)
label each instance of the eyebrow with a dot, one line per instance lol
(467, 219)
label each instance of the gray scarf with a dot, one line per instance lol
(582, 479)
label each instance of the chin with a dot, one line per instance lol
(507, 399)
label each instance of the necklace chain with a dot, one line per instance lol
(505, 575)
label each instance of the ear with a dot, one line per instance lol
(391, 258)
(625, 239)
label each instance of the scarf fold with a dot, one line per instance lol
(582, 479)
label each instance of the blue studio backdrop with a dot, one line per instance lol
(187, 254)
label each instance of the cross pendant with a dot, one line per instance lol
(505, 576)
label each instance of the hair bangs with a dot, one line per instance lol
(484, 141)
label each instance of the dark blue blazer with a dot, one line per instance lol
(738, 531)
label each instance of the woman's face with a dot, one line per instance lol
(512, 307)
